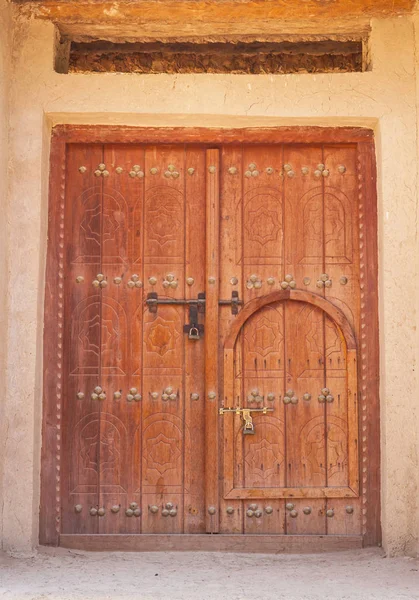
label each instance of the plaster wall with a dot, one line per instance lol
(4, 135)
(384, 99)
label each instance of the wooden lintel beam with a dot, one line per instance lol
(169, 12)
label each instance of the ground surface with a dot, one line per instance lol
(72, 575)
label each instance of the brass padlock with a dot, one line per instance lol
(194, 333)
(245, 414)
(248, 428)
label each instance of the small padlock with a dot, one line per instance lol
(194, 333)
(193, 328)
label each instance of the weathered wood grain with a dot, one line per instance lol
(264, 544)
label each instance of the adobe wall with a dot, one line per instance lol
(4, 134)
(384, 99)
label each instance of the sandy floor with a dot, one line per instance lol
(67, 574)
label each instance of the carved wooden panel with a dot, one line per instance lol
(134, 223)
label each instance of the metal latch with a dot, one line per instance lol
(153, 301)
(235, 302)
(244, 413)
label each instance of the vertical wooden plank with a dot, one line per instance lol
(120, 489)
(211, 339)
(263, 219)
(303, 216)
(51, 483)
(264, 516)
(353, 420)
(163, 426)
(81, 344)
(341, 217)
(263, 368)
(304, 327)
(337, 426)
(344, 515)
(194, 461)
(305, 516)
(369, 345)
(231, 279)
(263, 455)
(341, 220)
(305, 415)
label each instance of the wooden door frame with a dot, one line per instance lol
(368, 357)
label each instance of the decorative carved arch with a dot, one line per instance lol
(86, 316)
(256, 304)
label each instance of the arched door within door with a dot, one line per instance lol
(290, 409)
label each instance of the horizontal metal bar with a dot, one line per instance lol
(153, 301)
(239, 411)
(230, 302)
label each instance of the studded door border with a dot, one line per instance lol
(368, 375)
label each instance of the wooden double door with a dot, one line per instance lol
(211, 318)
